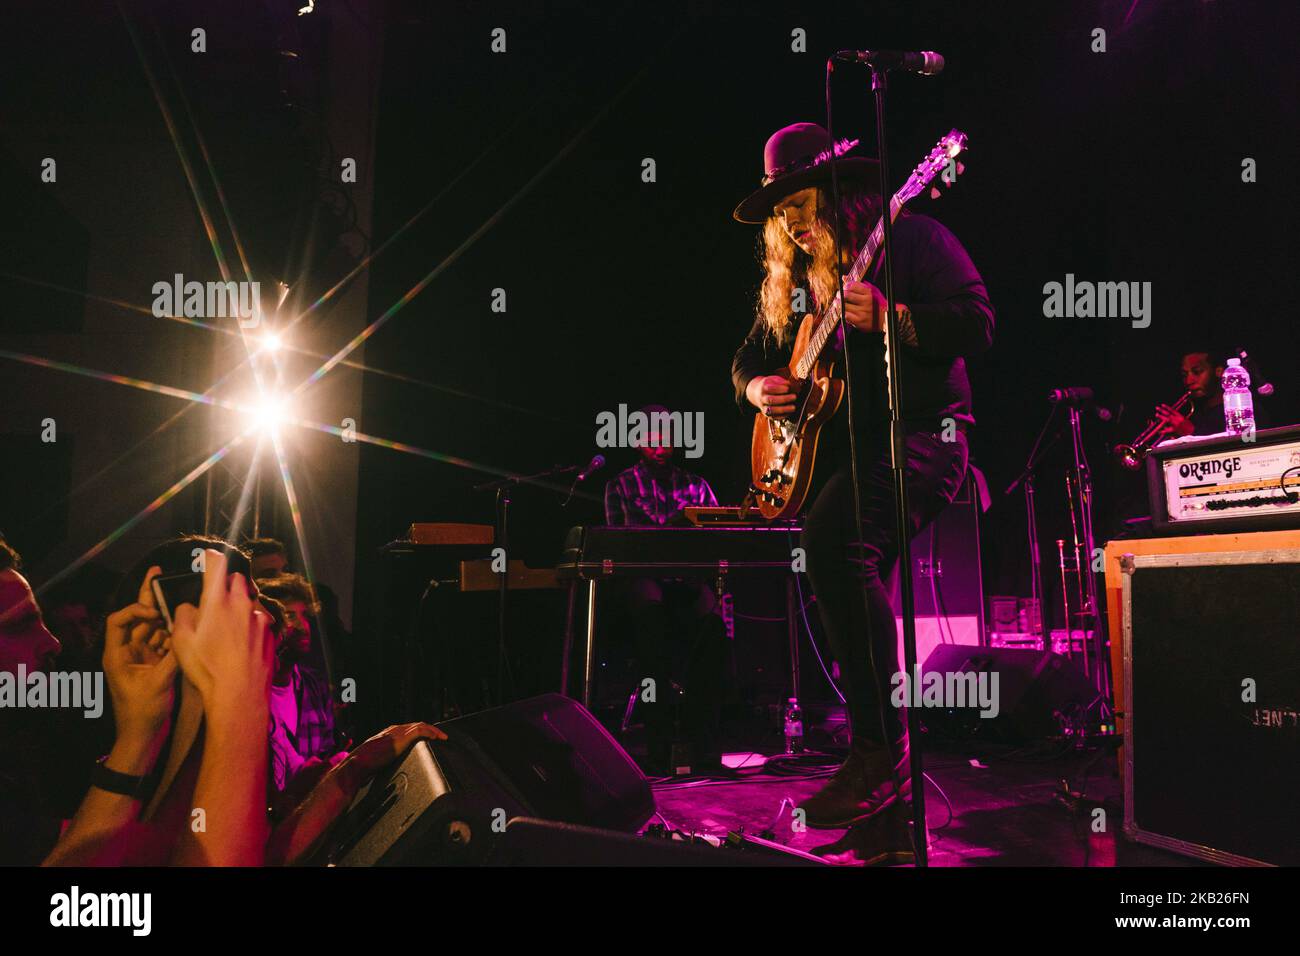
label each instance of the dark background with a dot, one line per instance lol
(1116, 166)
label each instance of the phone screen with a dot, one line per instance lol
(174, 590)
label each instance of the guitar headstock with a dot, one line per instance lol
(940, 160)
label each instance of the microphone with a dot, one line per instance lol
(1077, 395)
(1263, 388)
(1080, 396)
(593, 466)
(927, 63)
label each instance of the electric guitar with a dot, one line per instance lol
(784, 450)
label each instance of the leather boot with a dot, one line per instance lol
(883, 840)
(860, 789)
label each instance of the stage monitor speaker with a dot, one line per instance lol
(563, 763)
(1212, 703)
(443, 804)
(449, 801)
(1039, 694)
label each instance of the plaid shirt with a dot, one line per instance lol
(639, 496)
(315, 735)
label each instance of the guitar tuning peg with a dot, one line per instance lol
(934, 192)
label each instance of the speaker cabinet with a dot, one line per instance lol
(947, 580)
(946, 571)
(1212, 703)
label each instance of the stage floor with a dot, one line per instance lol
(1005, 813)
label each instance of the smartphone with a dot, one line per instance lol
(172, 591)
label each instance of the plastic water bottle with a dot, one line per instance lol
(793, 727)
(1238, 406)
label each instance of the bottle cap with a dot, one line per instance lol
(1234, 362)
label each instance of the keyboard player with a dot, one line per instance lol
(678, 636)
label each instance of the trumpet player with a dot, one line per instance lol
(1201, 372)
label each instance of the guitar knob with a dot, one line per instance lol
(778, 500)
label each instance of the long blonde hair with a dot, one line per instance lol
(786, 266)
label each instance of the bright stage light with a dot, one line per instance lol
(269, 412)
(271, 342)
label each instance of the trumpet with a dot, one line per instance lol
(1132, 455)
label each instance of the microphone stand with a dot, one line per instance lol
(1092, 610)
(1079, 501)
(1026, 478)
(898, 457)
(503, 487)
(898, 453)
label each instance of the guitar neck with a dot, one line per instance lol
(829, 321)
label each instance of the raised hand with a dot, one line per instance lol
(224, 646)
(139, 668)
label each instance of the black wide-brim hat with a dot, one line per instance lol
(795, 158)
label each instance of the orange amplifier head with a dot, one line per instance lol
(1218, 483)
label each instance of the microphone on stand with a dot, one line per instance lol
(597, 462)
(927, 62)
(1264, 388)
(1080, 396)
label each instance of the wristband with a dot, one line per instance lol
(114, 782)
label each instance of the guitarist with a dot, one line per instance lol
(943, 315)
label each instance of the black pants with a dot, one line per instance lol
(839, 568)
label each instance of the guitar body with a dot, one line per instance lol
(783, 451)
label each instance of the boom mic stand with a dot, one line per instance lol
(502, 488)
